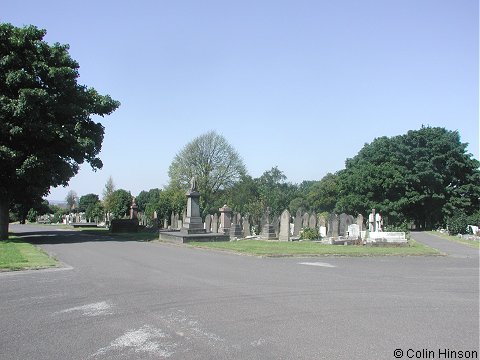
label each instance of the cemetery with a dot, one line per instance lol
(340, 229)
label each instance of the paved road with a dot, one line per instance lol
(133, 300)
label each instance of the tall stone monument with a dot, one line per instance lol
(193, 223)
(284, 234)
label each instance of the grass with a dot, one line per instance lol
(18, 255)
(472, 243)
(308, 248)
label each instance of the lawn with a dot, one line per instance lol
(18, 255)
(472, 243)
(309, 248)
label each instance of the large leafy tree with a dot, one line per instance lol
(121, 200)
(423, 176)
(46, 130)
(212, 161)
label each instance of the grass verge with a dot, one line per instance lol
(18, 255)
(308, 248)
(472, 243)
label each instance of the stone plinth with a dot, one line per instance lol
(225, 220)
(193, 223)
(180, 237)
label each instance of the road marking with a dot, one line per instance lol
(146, 339)
(322, 264)
(95, 309)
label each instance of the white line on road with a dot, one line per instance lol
(322, 264)
(95, 309)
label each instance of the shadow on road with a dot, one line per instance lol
(40, 235)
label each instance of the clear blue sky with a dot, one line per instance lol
(297, 84)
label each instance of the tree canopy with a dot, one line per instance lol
(423, 176)
(46, 130)
(212, 161)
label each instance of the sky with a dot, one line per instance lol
(301, 85)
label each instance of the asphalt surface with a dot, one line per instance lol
(136, 300)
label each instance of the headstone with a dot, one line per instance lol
(192, 221)
(350, 220)
(378, 222)
(208, 223)
(322, 230)
(176, 222)
(225, 219)
(215, 224)
(342, 230)
(353, 231)
(297, 225)
(333, 226)
(246, 227)
(268, 232)
(305, 219)
(236, 230)
(134, 210)
(284, 233)
(360, 221)
(165, 223)
(172, 221)
(322, 221)
(276, 225)
(371, 221)
(312, 221)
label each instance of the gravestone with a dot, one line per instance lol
(297, 225)
(208, 223)
(192, 222)
(353, 231)
(284, 233)
(172, 221)
(350, 220)
(371, 221)
(333, 224)
(246, 227)
(268, 232)
(360, 221)
(165, 223)
(276, 225)
(321, 220)
(312, 221)
(134, 209)
(215, 224)
(225, 219)
(342, 229)
(236, 230)
(305, 219)
(176, 222)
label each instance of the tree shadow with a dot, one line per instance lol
(40, 236)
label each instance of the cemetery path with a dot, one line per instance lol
(133, 300)
(450, 248)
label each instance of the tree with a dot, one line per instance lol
(121, 201)
(212, 161)
(423, 176)
(147, 197)
(71, 199)
(46, 130)
(323, 195)
(86, 201)
(107, 194)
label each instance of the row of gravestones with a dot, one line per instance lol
(238, 226)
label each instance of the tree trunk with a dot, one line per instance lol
(4, 219)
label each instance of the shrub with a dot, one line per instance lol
(309, 234)
(457, 224)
